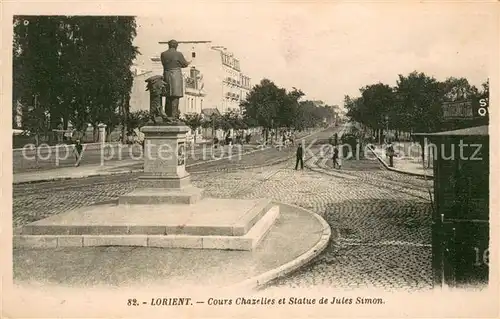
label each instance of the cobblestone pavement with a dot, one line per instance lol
(380, 222)
(370, 171)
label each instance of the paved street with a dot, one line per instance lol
(36, 201)
(380, 219)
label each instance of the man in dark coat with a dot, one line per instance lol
(390, 154)
(335, 157)
(173, 61)
(299, 157)
(78, 152)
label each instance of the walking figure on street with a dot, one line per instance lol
(336, 157)
(299, 158)
(390, 154)
(78, 152)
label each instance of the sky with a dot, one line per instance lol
(329, 50)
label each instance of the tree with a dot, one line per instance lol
(414, 105)
(231, 120)
(262, 103)
(83, 75)
(106, 60)
(377, 99)
(213, 121)
(421, 97)
(457, 89)
(485, 93)
(270, 106)
(354, 109)
(37, 76)
(194, 121)
(288, 107)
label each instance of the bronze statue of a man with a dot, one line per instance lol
(173, 61)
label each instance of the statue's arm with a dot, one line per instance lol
(184, 63)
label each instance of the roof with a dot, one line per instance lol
(210, 111)
(470, 131)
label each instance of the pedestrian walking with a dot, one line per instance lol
(78, 151)
(299, 158)
(335, 157)
(390, 154)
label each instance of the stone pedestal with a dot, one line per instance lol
(165, 179)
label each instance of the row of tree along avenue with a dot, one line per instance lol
(271, 108)
(267, 107)
(72, 69)
(70, 72)
(415, 104)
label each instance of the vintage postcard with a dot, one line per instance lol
(249, 159)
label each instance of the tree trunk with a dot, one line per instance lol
(37, 144)
(109, 130)
(125, 115)
(422, 144)
(65, 127)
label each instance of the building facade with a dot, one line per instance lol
(223, 83)
(139, 97)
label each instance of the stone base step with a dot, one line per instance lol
(151, 196)
(247, 241)
(209, 217)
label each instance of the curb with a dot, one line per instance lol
(398, 170)
(53, 179)
(260, 280)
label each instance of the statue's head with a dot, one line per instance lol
(172, 44)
